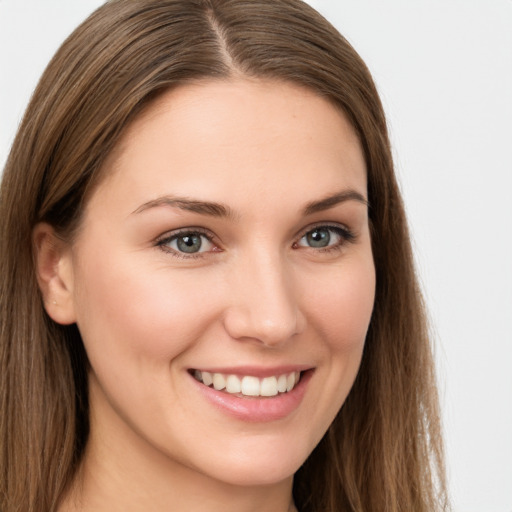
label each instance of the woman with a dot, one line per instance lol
(208, 297)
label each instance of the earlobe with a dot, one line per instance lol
(54, 272)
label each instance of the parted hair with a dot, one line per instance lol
(383, 452)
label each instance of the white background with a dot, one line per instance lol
(444, 70)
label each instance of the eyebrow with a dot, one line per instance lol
(333, 200)
(190, 205)
(223, 211)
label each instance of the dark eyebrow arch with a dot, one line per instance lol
(334, 200)
(189, 205)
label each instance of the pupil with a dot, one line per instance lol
(319, 238)
(189, 243)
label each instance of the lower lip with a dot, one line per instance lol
(257, 409)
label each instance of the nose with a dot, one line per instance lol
(264, 304)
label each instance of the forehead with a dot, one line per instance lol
(224, 139)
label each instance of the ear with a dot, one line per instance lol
(54, 270)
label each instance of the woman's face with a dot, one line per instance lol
(229, 242)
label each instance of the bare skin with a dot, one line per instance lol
(230, 236)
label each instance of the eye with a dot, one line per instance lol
(187, 243)
(325, 237)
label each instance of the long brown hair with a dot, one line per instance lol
(383, 452)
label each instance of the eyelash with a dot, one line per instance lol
(163, 243)
(346, 237)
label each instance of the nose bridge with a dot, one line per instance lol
(265, 306)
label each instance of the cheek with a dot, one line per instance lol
(125, 312)
(342, 306)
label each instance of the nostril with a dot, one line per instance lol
(271, 329)
(264, 304)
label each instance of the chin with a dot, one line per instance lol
(261, 462)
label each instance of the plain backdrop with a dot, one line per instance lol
(444, 71)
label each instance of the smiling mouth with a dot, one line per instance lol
(248, 385)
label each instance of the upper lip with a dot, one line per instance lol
(256, 371)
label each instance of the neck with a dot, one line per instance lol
(91, 491)
(113, 478)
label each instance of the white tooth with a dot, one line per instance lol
(233, 384)
(281, 384)
(290, 381)
(297, 377)
(197, 375)
(207, 378)
(269, 386)
(251, 386)
(219, 382)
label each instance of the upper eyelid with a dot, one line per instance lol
(325, 224)
(174, 233)
(214, 239)
(162, 243)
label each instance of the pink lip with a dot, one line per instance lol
(256, 409)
